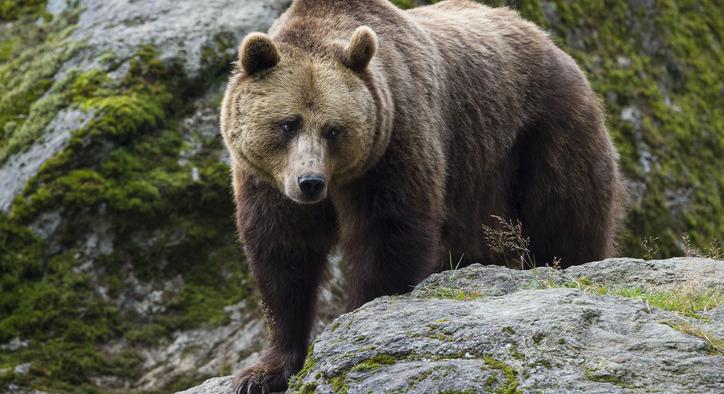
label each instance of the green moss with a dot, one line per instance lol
(20, 259)
(375, 362)
(515, 353)
(538, 338)
(309, 363)
(146, 335)
(32, 96)
(339, 386)
(309, 388)
(339, 380)
(455, 294)
(16, 9)
(220, 52)
(510, 386)
(598, 376)
(405, 4)
(543, 363)
(414, 381)
(122, 167)
(491, 381)
(59, 313)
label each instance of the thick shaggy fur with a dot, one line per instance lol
(463, 112)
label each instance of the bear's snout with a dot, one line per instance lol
(312, 186)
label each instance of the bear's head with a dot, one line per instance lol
(303, 122)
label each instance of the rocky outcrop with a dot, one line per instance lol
(599, 327)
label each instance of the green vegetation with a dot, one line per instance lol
(16, 9)
(455, 294)
(405, 4)
(339, 380)
(686, 303)
(339, 386)
(309, 363)
(606, 378)
(510, 386)
(374, 363)
(169, 219)
(688, 300)
(29, 60)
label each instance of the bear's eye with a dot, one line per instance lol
(290, 128)
(333, 133)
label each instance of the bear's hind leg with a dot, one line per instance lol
(570, 189)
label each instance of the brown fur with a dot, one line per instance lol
(462, 112)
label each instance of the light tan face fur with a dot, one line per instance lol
(331, 106)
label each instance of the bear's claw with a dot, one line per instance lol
(256, 382)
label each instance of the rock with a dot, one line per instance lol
(23, 369)
(485, 329)
(19, 168)
(631, 114)
(14, 345)
(212, 386)
(180, 29)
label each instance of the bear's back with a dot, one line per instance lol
(488, 60)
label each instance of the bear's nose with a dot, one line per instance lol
(311, 185)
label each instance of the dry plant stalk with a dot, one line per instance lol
(508, 239)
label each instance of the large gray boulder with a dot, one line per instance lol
(592, 328)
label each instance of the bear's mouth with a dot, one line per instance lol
(305, 200)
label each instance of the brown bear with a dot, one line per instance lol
(396, 135)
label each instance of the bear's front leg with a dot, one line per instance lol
(286, 246)
(390, 238)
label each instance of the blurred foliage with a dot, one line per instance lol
(15, 9)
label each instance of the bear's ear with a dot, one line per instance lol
(257, 53)
(362, 47)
